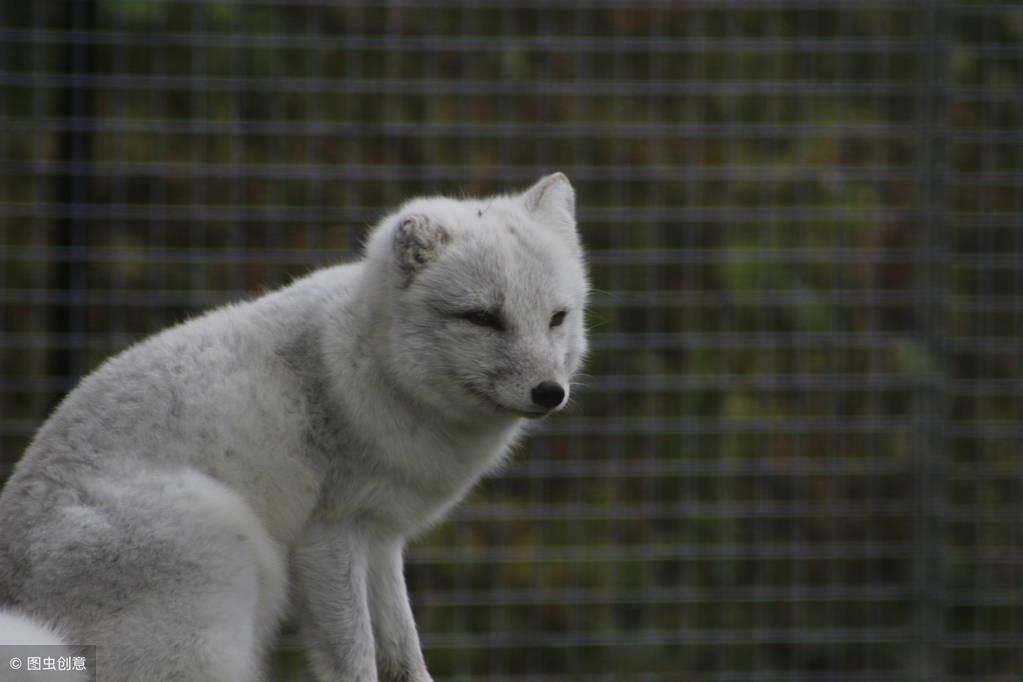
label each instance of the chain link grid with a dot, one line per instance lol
(795, 455)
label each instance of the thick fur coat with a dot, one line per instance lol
(291, 445)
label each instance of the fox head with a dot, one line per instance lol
(481, 302)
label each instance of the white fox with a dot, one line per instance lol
(292, 445)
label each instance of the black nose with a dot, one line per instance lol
(548, 394)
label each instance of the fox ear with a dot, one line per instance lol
(417, 241)
(552, 200)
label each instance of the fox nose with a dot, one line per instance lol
(548, 394)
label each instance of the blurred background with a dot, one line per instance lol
(798, 452)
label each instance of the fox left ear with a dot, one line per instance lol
(552, 201)
(417, 241)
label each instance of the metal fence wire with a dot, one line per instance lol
(798, 452)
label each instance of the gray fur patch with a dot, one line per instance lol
(417, 241)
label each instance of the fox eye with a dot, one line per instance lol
(483, 318)
(558, 318)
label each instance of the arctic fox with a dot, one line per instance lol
(292, 444)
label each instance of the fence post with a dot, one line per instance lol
(928, 450)
(72, 190)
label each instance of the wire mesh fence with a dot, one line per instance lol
(798, 452)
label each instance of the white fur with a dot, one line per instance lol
(18, 630)
(295, 442)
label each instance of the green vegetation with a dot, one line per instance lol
(798, 452)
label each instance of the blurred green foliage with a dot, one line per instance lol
(797, 452)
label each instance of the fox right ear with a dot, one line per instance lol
(417, 241)
(552, 201)
(552, 197)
